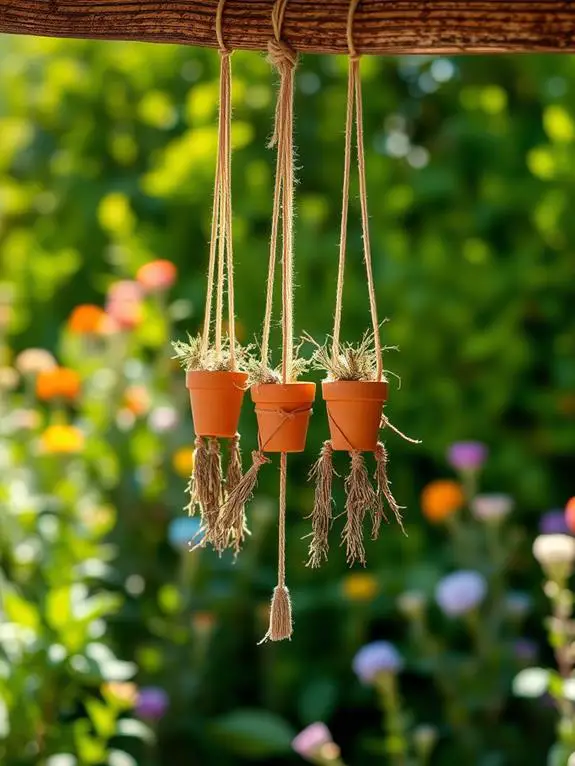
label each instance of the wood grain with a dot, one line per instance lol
(311, 26)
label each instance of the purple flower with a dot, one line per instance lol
(553, 523)
(152, 703)
(467, 456)
(377, 657)
(460, 592)
(491, 507)
(525, 650)
(311, 740)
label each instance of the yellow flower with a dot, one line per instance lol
(360, 586)
(441, 499)
(123, 692)
(62, 440)
(183, 461)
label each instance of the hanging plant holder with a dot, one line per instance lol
(213, 362)
(283, 412)
(283, 405)
(216, 399)
(354, 411)
(356, 388)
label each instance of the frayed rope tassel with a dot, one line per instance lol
(232, 532)
(321, 516)
(384, 492)
(360, 498)
(231, 522)
(281, 626)
(206, 489)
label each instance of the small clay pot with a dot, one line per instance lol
(354, 410)
(283, 411)
(216, 399)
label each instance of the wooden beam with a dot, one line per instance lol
(310, 26)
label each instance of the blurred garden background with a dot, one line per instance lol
(118, 646)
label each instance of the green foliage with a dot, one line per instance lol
(106, 162)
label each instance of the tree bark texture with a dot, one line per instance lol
(310, 26)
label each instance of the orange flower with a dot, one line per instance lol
(570, 514)
(87, 320)
(62, 440)
(137, 400)
(183, 461)
(58, 383)
(157, 275)
(440, 499)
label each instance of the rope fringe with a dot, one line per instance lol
(384, 491)
(321, 515)
(361, 498)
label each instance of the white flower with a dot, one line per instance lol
(492, 507)
(556, 554)
(531, 683)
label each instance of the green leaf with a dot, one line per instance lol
(253, 733)
(59, 607)
(90, 749)
(102, 717)
(20, 611)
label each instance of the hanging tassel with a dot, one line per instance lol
(232, 527)
(280, 610)
(209, 488)
(233, 531)
(234, 472)
(281, 626)
(321, 515)
(384, 491)
(361, 498)
(199, 476)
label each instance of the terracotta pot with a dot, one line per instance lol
(216, 399)
(354, 410)
(283, 411)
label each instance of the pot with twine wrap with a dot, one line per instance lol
(214, 377)
(355, 390)
(283, 405)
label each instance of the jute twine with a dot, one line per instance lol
(221, 240)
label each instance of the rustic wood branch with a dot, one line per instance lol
(311, 26)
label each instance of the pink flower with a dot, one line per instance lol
(157, 276)
(467, 456)
(124, 304)
(310, 742)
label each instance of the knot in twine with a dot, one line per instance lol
(281, 55)
(259, 459)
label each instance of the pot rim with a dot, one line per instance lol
(300, 391)
(354, 390)
(199, 379)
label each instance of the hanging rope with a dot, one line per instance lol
(284, 58)
(355, 99)
(221, 239)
